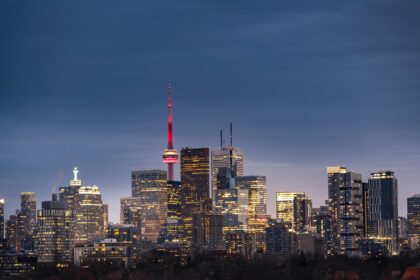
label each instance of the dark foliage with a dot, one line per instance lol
(209, 268)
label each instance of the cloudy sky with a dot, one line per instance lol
(307, 84)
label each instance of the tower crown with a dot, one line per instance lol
(75, 181)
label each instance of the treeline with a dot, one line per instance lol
(259, 268)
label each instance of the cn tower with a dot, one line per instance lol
(170, 155)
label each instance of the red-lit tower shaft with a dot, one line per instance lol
(170, 143)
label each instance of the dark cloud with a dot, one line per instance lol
(306, 83)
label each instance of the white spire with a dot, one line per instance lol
(75, 181)
(75, 171)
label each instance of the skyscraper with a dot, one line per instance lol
(257, 194)
(194, 184)
(413, 216)
(231, 201)
(141, 179)
(68, 194)
(105, 216)
(27, 219)
(174, 227)
(128, 210)
(321, 220)
(170, 155)
(402, 228)
(85, 204)
(89, 214)
(294, 209)
(257, 218)
(279, 239)
(224, 158)
(12, 233)
(382, 209)
(131, 215)
(346, 209)
(365, 205)
(24, 240)
(2, 224)
(207, 232)
(239, 243)
(55, 236)
(28, 209)
(20, 228)
(151, 188)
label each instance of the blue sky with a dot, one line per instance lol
(307, 84)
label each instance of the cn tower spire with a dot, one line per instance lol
(170, 143)
(170, 155)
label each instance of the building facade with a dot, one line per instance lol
(85, 204)
(230, 200)
(321, 221)
(150, 186)
(413, 216)
(2, 224)
(346, 210)
(12, 233)
(221, 159)
(27, 220)
(382, 209)
(130, 210)
(279, 239)
(207, 232)
(174, 227)
(195, 185)
(294, 209)
(402, 228)
(89, 214)
(257, 194)
(105, 215)
(239, 243)
(28, 209)
(20, 228)
(110, 252)
(257, 218)
(55, 236)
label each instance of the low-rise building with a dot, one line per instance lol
(107, 252)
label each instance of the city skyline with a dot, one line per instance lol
(305, 88)
(114, 217)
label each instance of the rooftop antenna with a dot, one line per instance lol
(221, 138)
(231, 149)
(231, 137)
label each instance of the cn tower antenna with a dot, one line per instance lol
(231, 135)
(231, 149)
(221, 138)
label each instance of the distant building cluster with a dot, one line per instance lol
(214, 209)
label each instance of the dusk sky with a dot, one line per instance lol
(307, 84)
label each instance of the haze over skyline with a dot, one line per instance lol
(307, 85)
